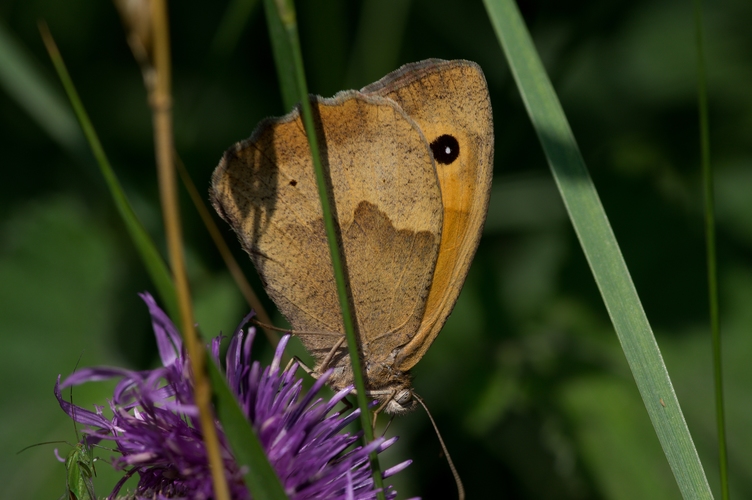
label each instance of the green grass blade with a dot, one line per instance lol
(288, 57)
(283, 56)
(236, 16)
(260, 478)
(24, 81)
(715, 325)
(148, 252)
(375, 50)
(600, 247)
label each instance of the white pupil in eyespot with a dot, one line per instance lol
(448, 150)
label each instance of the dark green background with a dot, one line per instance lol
(527, 381)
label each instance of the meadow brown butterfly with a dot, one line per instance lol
(409, 159)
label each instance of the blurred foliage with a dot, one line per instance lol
(527, 382)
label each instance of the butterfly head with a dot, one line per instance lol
(400, 401)
(395, 397)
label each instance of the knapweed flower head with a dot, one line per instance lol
(155, 429)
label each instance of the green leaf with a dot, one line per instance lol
(600, 247)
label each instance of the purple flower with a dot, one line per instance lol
(155, 425)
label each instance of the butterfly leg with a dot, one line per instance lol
(310, 371)
(313, 374)
(388, 424)
(375, 416)
(347, 405)
(381, 408)
(332, 352)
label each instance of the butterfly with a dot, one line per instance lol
(409, 163)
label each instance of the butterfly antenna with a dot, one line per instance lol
(457, 480)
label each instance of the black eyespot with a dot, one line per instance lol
(293, 183)
(445, 149)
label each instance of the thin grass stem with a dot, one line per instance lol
(710, 245)
(161, 102)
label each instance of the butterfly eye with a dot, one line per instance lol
(403, 397)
